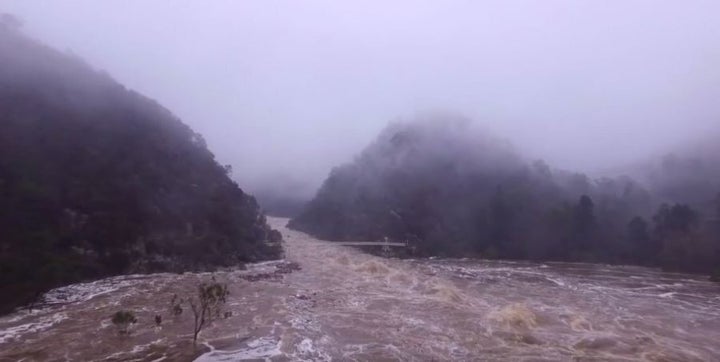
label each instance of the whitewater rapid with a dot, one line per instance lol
(346, 305)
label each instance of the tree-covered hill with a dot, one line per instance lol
(452, 190)
(97, 180)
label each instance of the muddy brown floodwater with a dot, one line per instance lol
(345, 305)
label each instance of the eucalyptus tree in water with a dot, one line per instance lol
(207, 305)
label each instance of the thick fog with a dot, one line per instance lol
(284, 90)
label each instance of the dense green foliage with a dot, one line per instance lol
(98, 180)
(453, 191)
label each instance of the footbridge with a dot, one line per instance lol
(369, 243)
(386, 244)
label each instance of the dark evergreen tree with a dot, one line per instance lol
(584, 224)
(644, 249)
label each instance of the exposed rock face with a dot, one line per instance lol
(96, 180)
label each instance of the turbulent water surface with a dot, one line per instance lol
(347, 305)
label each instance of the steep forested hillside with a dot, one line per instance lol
(97, 180)
(452, 190)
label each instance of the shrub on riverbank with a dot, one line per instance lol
(123, 320)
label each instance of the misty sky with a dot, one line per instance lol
(293, 88)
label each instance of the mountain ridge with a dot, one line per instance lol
(98, 180)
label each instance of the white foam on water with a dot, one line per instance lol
(363, 350)
(307, 351)
(11, 333)
(261, 348)
(19, 315)
(138, 349)
(559, 282)
(306, 346)
(82, 292)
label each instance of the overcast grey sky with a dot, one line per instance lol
(295, 87)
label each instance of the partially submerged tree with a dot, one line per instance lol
(207, 305)
(175, 305)
(123, 319)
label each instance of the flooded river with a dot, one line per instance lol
(345, 305)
